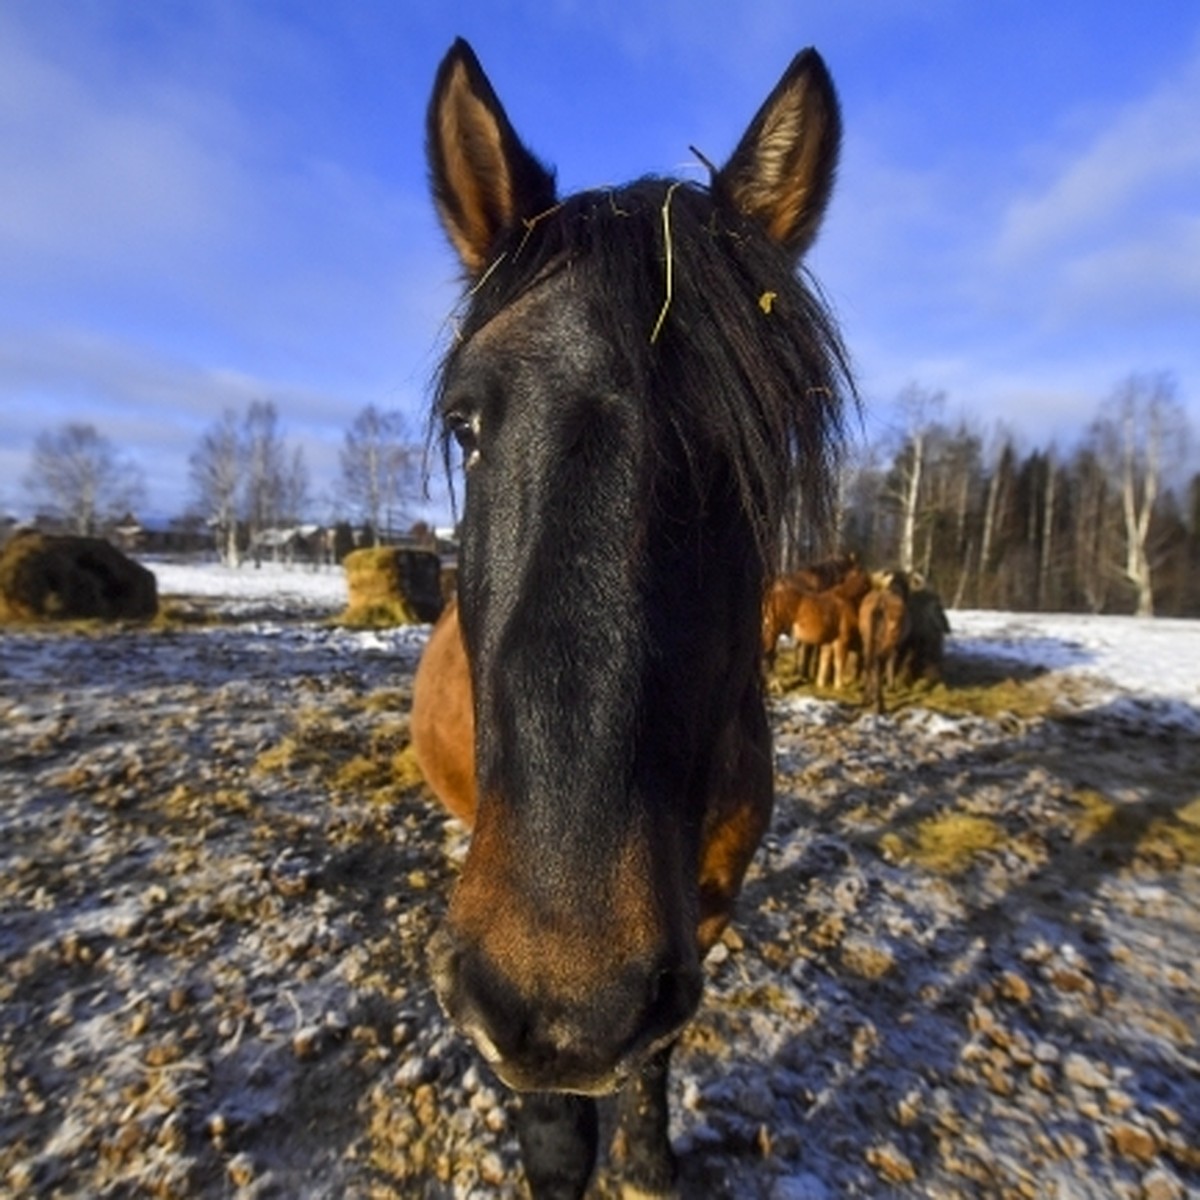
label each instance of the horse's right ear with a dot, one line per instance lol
(782, 172)
(484, 180)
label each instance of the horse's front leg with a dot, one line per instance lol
(557, 1134)
(643, 1145)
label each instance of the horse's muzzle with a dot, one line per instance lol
(537, 1039)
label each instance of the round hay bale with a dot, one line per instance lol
(391, 586)
(46, 577)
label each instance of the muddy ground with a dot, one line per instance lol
(965, 963)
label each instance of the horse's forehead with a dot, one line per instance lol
(548, 317)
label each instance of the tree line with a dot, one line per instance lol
(1110, 524)
(247, 480)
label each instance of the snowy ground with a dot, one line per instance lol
(1153, 658)
(964, 964)
(299, 590)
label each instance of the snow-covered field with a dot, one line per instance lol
(298, 589)
(964, 965)
(1148, 658)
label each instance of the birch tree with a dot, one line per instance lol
(999, 487)
(294, 489)
(78, 476)
(263, 471)
(379, 468)
(919, 408)
(1048, 548)
(1144, 432)
(216, 474)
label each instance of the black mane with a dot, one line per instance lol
(758, 371)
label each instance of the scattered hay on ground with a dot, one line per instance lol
(372, 758)
(946, 843)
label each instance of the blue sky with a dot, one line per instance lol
(205, 203)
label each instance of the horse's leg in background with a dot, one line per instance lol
(803, 657)
(643, 1145)
(822, 656)
(893, 668)
(838, 650)
(558, 1133)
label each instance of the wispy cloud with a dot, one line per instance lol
(173, 202)
(168, 251)
(97, 181)
(1130, 185)
(154, 408)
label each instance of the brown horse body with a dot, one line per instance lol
(819, 576)
(883, 624)
(826, 622)
(779, 614)
(822, 623)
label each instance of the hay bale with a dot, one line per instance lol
(390, 586)
(58, 578)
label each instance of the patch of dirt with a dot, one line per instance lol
(964, 962)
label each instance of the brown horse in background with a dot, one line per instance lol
(819, 576)
(635, 426)
(827, 622)
(823, 623)
(883, 625)
(779, 615)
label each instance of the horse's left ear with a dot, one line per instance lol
(782, 172)
(484, 179)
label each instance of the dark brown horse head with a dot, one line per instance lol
(638, 384)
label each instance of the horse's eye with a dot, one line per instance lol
(464, 429)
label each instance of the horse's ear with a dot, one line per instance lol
(782, 172)
(484, 180)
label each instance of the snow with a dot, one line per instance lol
(1146, 669)
(302, 587)
(1155, 658)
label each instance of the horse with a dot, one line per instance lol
(816, 577)
(641, 388)
(822, 621)
(883, 623)
(924, 644)
(779, 615)
(827, 622)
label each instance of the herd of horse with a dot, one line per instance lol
(845, 621)
(643, 386)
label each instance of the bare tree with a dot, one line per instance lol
(216, 472)
(999, 487)
(379, 468)
(1142, 436)
(294, 487)
(78, 475)
(263, 458)
(919, 408)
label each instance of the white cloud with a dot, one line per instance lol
(169, 248)
(175, 204)
(1147, 156)
(154, 408)
(1153, 271)
(101, 180)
